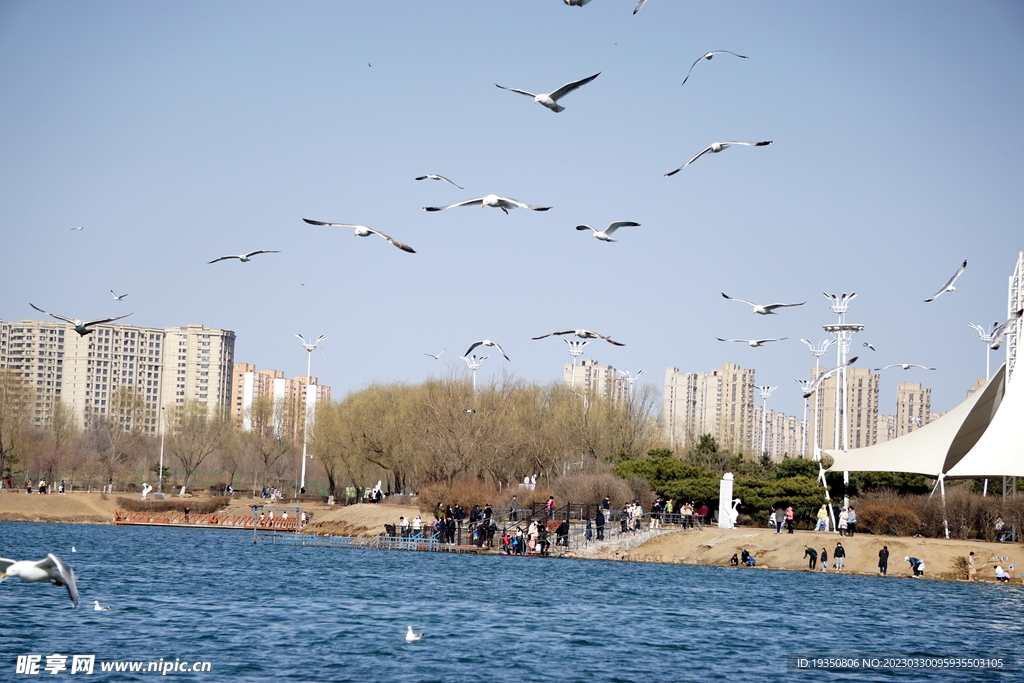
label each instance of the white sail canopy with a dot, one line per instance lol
(1000, 450)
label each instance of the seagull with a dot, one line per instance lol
(97, 607)
(752, 342)
(576, 3)
(997, 336)
(245, 257)
(762, 309)
(52, 570)
(868, 345)
(487, 342)
(638, 6)
(81, 327)
(708, 56)
(948, 287)
(363, 231)
(583, 334)
(118, 296)
(905, 366)
(503, 203)
(431, 176)
(412, 637)
(824, 376)
(80, 227)
(468, 410)
(716, 147)
(606, 234)
(550, 100)
(438, 356)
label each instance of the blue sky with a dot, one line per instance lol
(180, 132)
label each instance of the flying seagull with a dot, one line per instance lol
(550, 100)
(245, 257)
(81, 327)
(438, 356)
(868, 345)
(583, 334)
(752, 342)
(762, 309)
(708, 56)
(716, 147)
(432, 176)
(606, 234)
(50, 570)
(576, 3)
(824, 376)
(412, 637)
(363, 231)
(905, 366)
(80, 227)
(118, 296)
(997, 336)
(948, 287)
(503, 203)
(638, 6)
(487, 342)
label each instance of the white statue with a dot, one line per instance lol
(146, 488)
(734, 513)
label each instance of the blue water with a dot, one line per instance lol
(281, 613)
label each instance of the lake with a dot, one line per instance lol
(283, 613)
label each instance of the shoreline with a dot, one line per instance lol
(709, 546)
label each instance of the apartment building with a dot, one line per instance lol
(589, 378)
(289, 403)
(720, 403)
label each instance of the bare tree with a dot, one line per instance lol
(13, 420)
(194, 436)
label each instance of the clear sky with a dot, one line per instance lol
(179, 132)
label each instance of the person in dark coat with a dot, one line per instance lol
(883, 560)
(599, 523)
(812, 556)
(838, 554)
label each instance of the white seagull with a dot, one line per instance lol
(576, 3)
(762, 309)
(716, 147)
(868, 345)
(432, 176)
(97, 607)
(49, 570)
(487, 342)
(118, 296)
(550, 100)
(583, 334)
(948, 287)
(905, 366)
(824, 376)
(708, 56)
(503, 203)
(411, 636)
(606, 234)
(752, 342)
(82, 327)
(1002, 330)
(80, 227)
(363, 231)
(244, 258)
(638, 6)
(438, 356)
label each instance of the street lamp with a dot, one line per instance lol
(160, 478)
(843, 333)
(575, 350)
(309, 346)
(816, 351)
(986, 337)
(474, 362)
(765, 393)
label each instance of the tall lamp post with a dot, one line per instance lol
(765, 393)
(986, 337)
(160, 477)
(816, 351)
(309, 346)
(843, 332)
(474, 362)
(631, 379)
(575, 350)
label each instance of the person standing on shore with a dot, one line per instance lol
(851, 521)
(971, 569)
(844, 521)
(883, 560)
(513, 510)
(789, 518)
(812, 556)
(549, 507)
(838, 554)
(599, 522)
(824, 559)
(28, 486)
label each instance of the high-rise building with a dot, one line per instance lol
(913, 407)
(587, 377)
(720, 403)
(861, 411)
(288, 401)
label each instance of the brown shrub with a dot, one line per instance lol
(203, 506)
(592, 488)
(887, 517)
(470, 492)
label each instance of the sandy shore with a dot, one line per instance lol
(709, 546)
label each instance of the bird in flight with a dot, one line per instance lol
(606, 234)
(638, 6)
(80, 227)
(411, 636)
(50, 570)
(576, 3)
(432, 176)
(438, 356)
(948, 287)
(825, 375)
(503, 203)
(582, 334)
(245, 257)
(762, 309)
(751, 342)
(550, 100)
(81, 326)
(905, 366)
(708, 56)
(118, 296)
(868, 345)
(486, 342)
(716, 147)
(1002, 330)
(363, 231)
